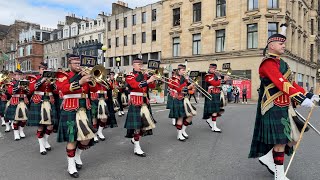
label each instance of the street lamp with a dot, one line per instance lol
(104, 49)
(118, 63)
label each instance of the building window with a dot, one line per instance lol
(311, 53)
(134, 39)
(134, 20)
(220, 40)
(272, 29)
(99, 38)
(73, 31)
(125, 19)
(109, 43)
(117, 42)
(154, 14)
(154, 35)
(176, 46)
(272, 4)
(109, 25)
(66, 33)
(143, 37)
(252, 4)
(143, 17)
(176, 17)
(110, 62)
(68, 44)
(125, 40)
(221, 8)
(312, 26)
(126, 60)
(117, 23)
(196, 45)
(252, 36)
(197, 12)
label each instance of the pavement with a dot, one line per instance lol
(205, 155)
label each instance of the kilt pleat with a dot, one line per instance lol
(2, 107)
(94, 108)
(10, 113)
(169, 102)
(177, 109)
(112, 121)
(211, 106)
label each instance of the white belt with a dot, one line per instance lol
(210, 87)
(79, 96)
(136, 93)
(42, 93)
(19, 95)
(102, 92)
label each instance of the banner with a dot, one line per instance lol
(242, 84)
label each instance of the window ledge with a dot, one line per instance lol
(220, 18)
(274, 10)
(198, 23)
(252, 12)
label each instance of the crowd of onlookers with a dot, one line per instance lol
(232, 93)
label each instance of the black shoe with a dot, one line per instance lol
(3, 125)
(187, 137)
(48, 149)
(74, 175)
(7, 131)
(182, 140)
(78, 166)
(44, 153)
(141, 155)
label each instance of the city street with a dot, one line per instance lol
(205, 155)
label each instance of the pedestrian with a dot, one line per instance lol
(272, 133)
(236, 94)
(311, 90)
(229, 93)
(212, 108)
(244, 94)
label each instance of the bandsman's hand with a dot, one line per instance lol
(85, 79)
(44, 79)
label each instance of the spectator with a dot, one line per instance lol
(244, 94)
(236, 94)
(311, 90)
(229, 93)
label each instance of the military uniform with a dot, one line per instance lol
(42, 111)
(4, 96)
(274, 122)
(214, 107)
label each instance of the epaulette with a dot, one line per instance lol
(208, 74)
(130, 75)
(62, 76)
(32, 78)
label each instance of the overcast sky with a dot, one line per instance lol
(47, 13)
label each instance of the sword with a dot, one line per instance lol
(309, 124)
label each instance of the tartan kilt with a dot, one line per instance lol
(133, 121)
(68, 130)
(270, 130)
(169, 102)
(177, 109)
(94, 108)
(34, 115)
(10, 113)
(211, 106)
(2, 107)
(112, 121)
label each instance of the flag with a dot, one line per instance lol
(18, 66)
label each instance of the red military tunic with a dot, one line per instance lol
(73, 92)
(177, 87)
(40, 90)
(16, 94)
(214, 86)
(137, 92)
(101, 91)
(269, 68)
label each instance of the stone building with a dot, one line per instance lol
(204, 31)
(30, 48)
(131, 33)
(9, 40)
(62, 41)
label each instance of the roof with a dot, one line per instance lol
(4, 29)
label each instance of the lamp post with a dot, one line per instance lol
(104, 49)
(118, 63)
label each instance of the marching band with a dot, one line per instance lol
(80, 102)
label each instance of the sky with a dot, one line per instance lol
(47, 13)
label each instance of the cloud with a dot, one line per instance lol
(47, 13)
